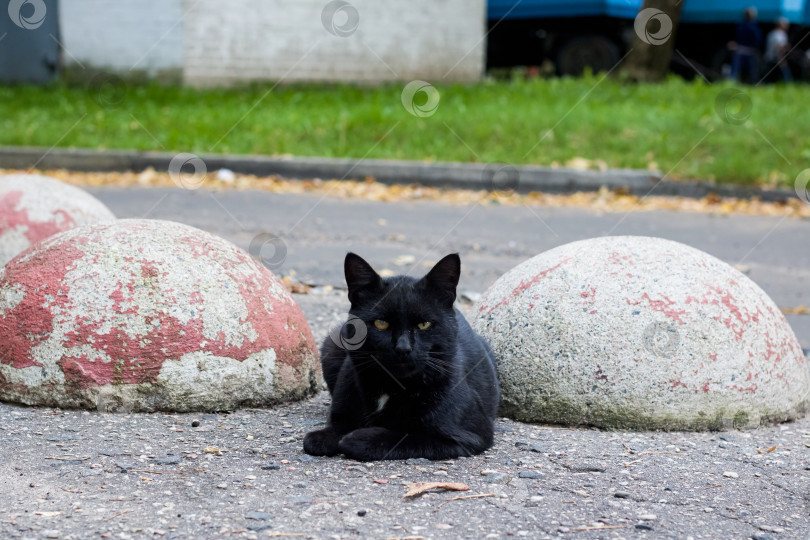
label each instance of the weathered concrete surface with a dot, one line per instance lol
(642, 333)
(149, 315)
(34, 207)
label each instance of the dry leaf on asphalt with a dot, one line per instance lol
(798, 310)
(212, 450)
(618, 200)
(419, 488)
(769, 450)
(404, 260)
(295, 286)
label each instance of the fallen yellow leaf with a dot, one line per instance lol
(617, 200)
(419, 488)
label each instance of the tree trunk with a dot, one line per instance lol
(654, 40)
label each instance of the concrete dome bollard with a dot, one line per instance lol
(640, 333)
(145, 315)
(34, 207)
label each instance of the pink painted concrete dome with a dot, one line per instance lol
(34, 207)
(144, 315)
(640, 333)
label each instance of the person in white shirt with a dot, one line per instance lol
(776, 49)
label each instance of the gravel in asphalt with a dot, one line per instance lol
(74, 474)
(80, 474)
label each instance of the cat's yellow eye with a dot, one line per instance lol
(423, 325)
(381, 325)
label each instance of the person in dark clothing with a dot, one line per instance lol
(746, 46)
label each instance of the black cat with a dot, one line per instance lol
(408, 376)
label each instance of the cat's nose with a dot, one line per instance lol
(403, 345)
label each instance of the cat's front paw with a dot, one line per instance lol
(322, 442)
(370, 444)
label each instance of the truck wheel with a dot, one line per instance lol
(575, 54)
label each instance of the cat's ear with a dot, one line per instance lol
(443, 278)
(360, 276)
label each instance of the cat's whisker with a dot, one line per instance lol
(444, 369)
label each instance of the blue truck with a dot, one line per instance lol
(579, 34)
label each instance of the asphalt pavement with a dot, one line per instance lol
(80, 474)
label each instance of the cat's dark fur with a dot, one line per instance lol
(407, 392)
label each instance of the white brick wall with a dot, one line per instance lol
(229, 41)
(286, 39)
(123, 35)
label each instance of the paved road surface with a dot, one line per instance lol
(77, 475)
(318, 232)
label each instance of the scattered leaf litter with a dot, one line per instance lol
(603, 200)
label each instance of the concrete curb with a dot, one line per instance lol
(475, 176)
